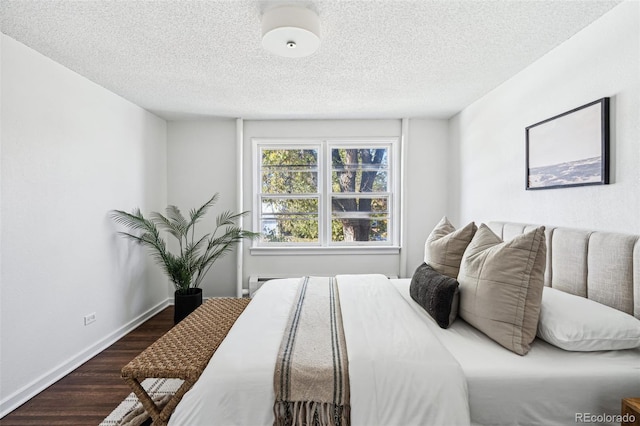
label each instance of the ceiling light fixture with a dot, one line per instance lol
(290, 31)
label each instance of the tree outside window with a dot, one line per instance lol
(360, 207)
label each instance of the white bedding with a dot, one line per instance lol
(548, 386)
(399, 373)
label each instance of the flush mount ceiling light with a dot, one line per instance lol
(290, 31)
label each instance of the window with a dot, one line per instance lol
(326, 193)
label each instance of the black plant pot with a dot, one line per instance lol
(185, 303)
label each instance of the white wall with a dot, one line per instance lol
(425, 194)
(201, 160)
(426, 186)
(488, 137)
(330, 264)
(71, 151)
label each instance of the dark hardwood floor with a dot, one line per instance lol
(88, 394)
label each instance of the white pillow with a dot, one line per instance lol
(574, 323)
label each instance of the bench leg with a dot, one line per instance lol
(159, 417)
(171, 405)
(144, 398)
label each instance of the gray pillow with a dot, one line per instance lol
(501, 286)
(445, 246)
(436, 293)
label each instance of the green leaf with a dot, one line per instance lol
(196, 214)
(177, 219)
(189, 266)
(165, 224)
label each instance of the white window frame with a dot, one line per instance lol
(324, 244)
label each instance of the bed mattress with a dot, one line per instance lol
(548, 386)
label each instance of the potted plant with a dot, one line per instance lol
(196, 254)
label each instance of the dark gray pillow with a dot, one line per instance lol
(436, 293)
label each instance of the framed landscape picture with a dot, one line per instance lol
(570, 149)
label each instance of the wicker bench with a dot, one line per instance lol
(182, 353)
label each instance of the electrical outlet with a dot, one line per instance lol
(88, 319)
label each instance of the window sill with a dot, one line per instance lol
(302, 251)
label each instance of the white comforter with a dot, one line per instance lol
(400, 374)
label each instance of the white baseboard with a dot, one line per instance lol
(22, 395)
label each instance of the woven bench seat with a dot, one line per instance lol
(183, 352)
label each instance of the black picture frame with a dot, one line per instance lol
(569, 149)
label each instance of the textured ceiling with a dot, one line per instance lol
(377, 59)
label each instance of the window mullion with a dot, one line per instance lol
(325, 170)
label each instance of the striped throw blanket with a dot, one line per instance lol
(311, 378)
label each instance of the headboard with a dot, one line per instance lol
(601, 266)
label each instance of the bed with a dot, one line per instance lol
(405, 369)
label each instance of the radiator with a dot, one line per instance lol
(256, 281)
